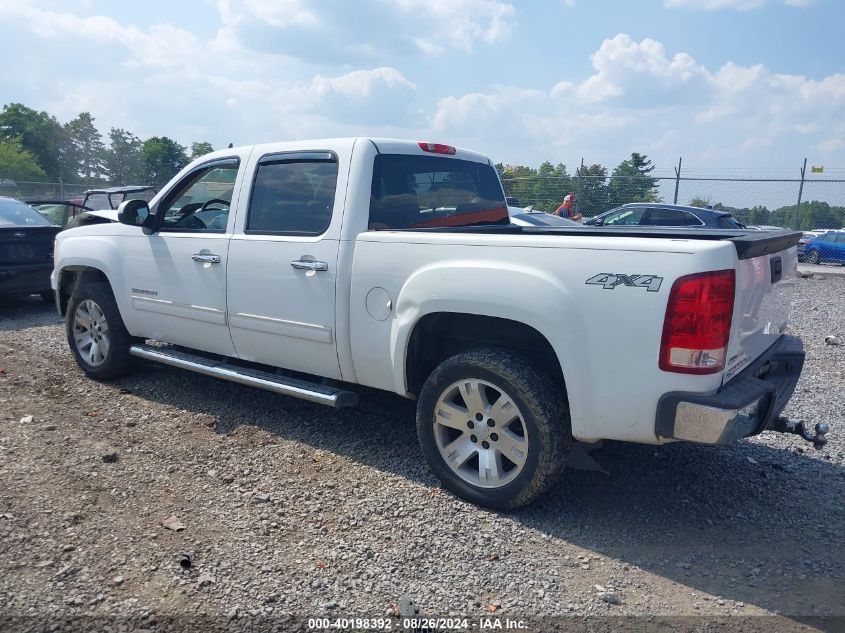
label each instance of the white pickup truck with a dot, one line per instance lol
(307, 268)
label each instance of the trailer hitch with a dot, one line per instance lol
(785, 425)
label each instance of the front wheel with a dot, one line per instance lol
(494, 428)
(813, 257)
(96, 334)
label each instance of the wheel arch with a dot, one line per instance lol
(71, 276)
(437, 336)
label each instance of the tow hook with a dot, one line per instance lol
(785, 425)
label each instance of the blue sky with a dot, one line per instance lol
(724, 83)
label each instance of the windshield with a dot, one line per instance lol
(411, 191)
(14, 213)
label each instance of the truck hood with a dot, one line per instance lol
(108, 214)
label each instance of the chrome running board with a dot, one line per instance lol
(313, 392)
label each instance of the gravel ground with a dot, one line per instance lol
(292, 511)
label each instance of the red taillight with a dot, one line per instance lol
(436, 148)
(698, 323)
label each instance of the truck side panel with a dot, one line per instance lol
(606, 335)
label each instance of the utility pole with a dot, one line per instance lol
(677, 178)
(578, 188)
(800, 193)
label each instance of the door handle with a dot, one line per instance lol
(206, 258)
(309, 264)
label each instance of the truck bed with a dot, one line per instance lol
(748, 243)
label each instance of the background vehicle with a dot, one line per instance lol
(529, 217)
(63, 212)
(394, 265)
(653, 214)
(806, 236)
(26, 250)
(829, 247)
(58, 211)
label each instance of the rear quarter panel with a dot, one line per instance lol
(606, 340)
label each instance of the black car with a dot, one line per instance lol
(654, 214)
(26, 250)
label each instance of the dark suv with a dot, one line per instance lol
(654, 214)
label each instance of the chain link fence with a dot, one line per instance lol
(756, 201)
(760, 201)
(26, 190)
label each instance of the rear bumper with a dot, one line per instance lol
(25, 278)
(746, 405)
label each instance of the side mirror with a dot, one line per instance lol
(134, 213)
(597, 221)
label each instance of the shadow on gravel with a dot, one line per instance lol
(17, 312)
(740, 522)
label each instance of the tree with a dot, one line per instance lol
(542, 188)
(17, 163)
(86, 151)
(123, 161)
(38, 133)
(701, 201)
(200, 149)
(631, 181)
(592, 190)
(163, 158)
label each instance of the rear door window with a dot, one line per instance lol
(293, 195)
(433, 191)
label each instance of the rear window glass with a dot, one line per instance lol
(410, 192)
(14, 213)
(670, 217)
(727, 222)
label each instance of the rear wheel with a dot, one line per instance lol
(96, 334)
(813, 257)
(494, 429)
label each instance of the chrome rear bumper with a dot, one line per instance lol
(746, 405)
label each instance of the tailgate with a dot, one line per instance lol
(764, 286)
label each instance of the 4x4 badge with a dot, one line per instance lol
(609, 281)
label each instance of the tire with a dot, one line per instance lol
(92, 320)
(813, 257)
(47, 296)
(538, 436)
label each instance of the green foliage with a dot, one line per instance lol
(123, 162)
(162, 158)
(593, 192)
(701, 202)
(200, 149)
(38, 133)
(812, 215)
(631, 181)
(544, 188)
(86, 151)
(17, 163)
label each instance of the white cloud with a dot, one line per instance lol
(341, 32)
(283, 12)
(167, 78)
(464, 22)
(640, 97)
(361, 84)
